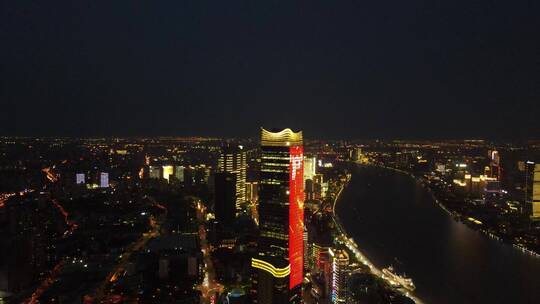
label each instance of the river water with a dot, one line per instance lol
(395, 221)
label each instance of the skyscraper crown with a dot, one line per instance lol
(283, 138)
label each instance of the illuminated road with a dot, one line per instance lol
(4, 198)
(254, 212)
(50, 175)
(51, 277)
(119, 269)
(71, 224)
(210, 289)
(55, 271)
(45, 284)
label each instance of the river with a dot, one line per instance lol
(394, 220)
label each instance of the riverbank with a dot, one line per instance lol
(457, 216)
(394, 221)
(353, 247)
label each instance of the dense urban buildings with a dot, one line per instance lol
(158, 220)
(399, 161)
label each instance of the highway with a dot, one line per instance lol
(210, 289)
(45, 284)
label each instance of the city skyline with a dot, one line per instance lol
(270, 152)
(315, 222)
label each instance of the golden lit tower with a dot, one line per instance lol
(233, 160)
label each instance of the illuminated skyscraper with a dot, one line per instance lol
(340, 276)
(104, 180)
(233, 160)
(278, 265)
(179, 173)
(154, 172)
(495, 164)
(167, 172)
(310, 165)
(356, 154)
(80, 178)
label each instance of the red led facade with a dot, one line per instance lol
(296, 215)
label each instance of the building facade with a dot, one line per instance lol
(233, 160)
(340, 276)
(278, 265)
(225, 198)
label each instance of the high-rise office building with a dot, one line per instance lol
(356, 154)
(167, 171)
(233, 160)
(321, 238)
(80, 178)
(318, 186)
(495, 164)
(533, 189)
(340, 276)
(225, 198)
(306, 249)
(309, 189)
(154, 172)
(179, 173)
(310, 166)
(278, 265)
(104, 180)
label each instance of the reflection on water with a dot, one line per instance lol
(394, 221)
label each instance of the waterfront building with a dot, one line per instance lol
(476, 186)
(278, 264)
(326, 274)
(340, 276)
(321, 238)
(533, 189)
(317, 253)
(232, 159)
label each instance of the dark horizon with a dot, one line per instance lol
(342, 70)
(256, 137)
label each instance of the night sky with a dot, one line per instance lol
(336, 69)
